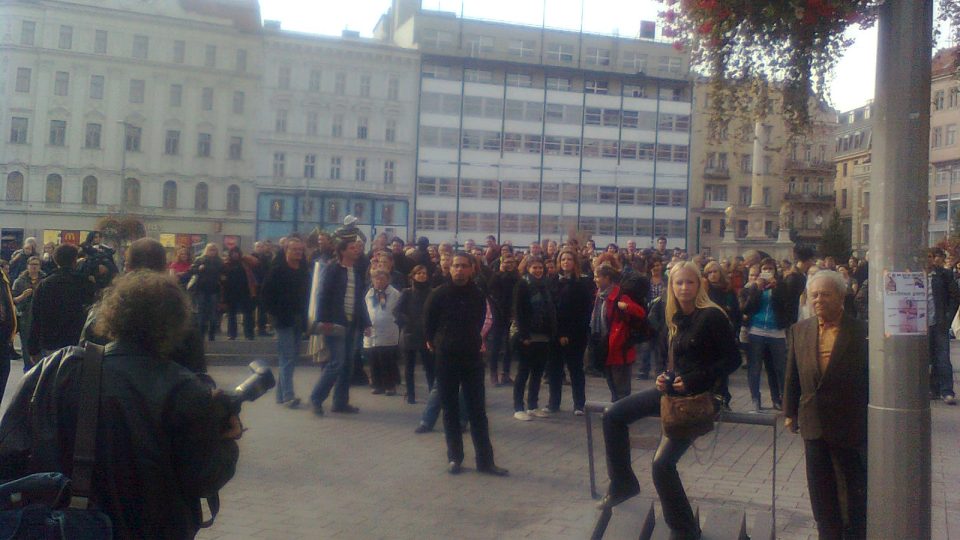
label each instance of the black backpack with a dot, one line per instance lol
(636, 287)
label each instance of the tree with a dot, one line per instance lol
(836, 239)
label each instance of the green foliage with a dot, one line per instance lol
(836, 239)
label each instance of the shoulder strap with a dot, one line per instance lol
(88, 413)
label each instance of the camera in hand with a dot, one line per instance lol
(258, 383)
(669, 377)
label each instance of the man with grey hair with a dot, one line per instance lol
(825, 397)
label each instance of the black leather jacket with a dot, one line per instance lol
(159, 448)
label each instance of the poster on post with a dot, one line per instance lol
(904, 303)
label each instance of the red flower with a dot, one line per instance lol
(706, 27)
(678, 45)
(670, 16)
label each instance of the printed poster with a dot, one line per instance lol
(904, 303)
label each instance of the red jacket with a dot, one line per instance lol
(619, 347)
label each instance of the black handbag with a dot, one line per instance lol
(50, 505)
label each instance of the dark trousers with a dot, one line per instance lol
(533, 360)
(261, 317)
(384, 373)
(941, 370)
(244, 307)
(5, 366)
(770, 354)
(824, 461)
(570, 356)
(666, 479)
(426, 357)
(618, 381)
(464, 373)
(499, 341)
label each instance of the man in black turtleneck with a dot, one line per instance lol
(453, 320)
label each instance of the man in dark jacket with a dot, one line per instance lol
(453, 320)
(342, 316)
(261, 250)
(285, 292)
(794, 284)
(163, 439)
(500, 290)
(945, 295)
(60, 306)
(8, 328)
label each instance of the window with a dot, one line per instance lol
(314, 84)
(524, 48)
(169, 195)
(393, 88)
(204, 142)
(283, 77)
(593, 86)
(137, 90)
(436, 38)
(18, 130)
(96, 87)
(389, 167)
(767, 164)
(632, 90)
(938, 100)
(310, 166)
(241, 60)
(280, 122)
(28, 29)
(746, 163)
(954, 97)
(521, 80)
(91, 137)
(206, 99)
(670, 64)
(279, 164)
(634, 61)
(560, 52)
(210, 56)
(558, 83)
(236, 147)
(936, 141)
(365, 85)
(54, 192)
(714, 192)
(360, 173)
(597, 57)
(336, 129)
(201, 197)
(362, 127)
(233, 199)
(23, 80)
(313, 123)
(131, 138)
(89, 190)
(335, 168)
(141, 46)
(340, 84)
(61, 83)
(477, 75)
(179, 51)
(390, 135)
(66, 37)
(238, 99)
(176, 95)
(58, 132)
(745, 196)
(479, 45)
(843, 198)
(131, 192)
(171, 144)
(15, 186)
(951, 134)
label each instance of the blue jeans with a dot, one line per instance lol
(432, 411)
(336, 373)
(769, 353)
(207, 313)
(941, 370)
(288, 349)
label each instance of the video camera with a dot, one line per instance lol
(258, 383)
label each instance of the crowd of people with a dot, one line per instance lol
(550, 312)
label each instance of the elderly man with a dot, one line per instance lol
(826, 398)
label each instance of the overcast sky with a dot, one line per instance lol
(852, 84)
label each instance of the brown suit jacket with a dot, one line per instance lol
(831, 406)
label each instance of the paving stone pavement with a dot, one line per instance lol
(368, 476)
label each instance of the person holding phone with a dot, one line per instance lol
(767, 307)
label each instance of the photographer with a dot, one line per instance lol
(163, 441)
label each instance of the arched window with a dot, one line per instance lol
(233, 198)
(170, 195)
(131, 192)
(201, 197)
(89, 195)
(15, 186)
(54, 192)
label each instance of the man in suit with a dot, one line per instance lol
(826, 398)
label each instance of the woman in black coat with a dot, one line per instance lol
(534, 315)
(573, 296)
(409, 316)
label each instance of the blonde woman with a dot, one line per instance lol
(699, 334)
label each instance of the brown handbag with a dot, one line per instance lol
(687, 417)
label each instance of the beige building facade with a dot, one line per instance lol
(852, 146)
(944, 146)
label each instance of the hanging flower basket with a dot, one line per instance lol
(792, 44)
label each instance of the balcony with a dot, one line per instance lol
(808, 165)
(862, 170)
(812, 198)
(716, 173)
(715, 206)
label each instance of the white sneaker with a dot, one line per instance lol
(520, 415)
(539, 413)
(578, 412)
